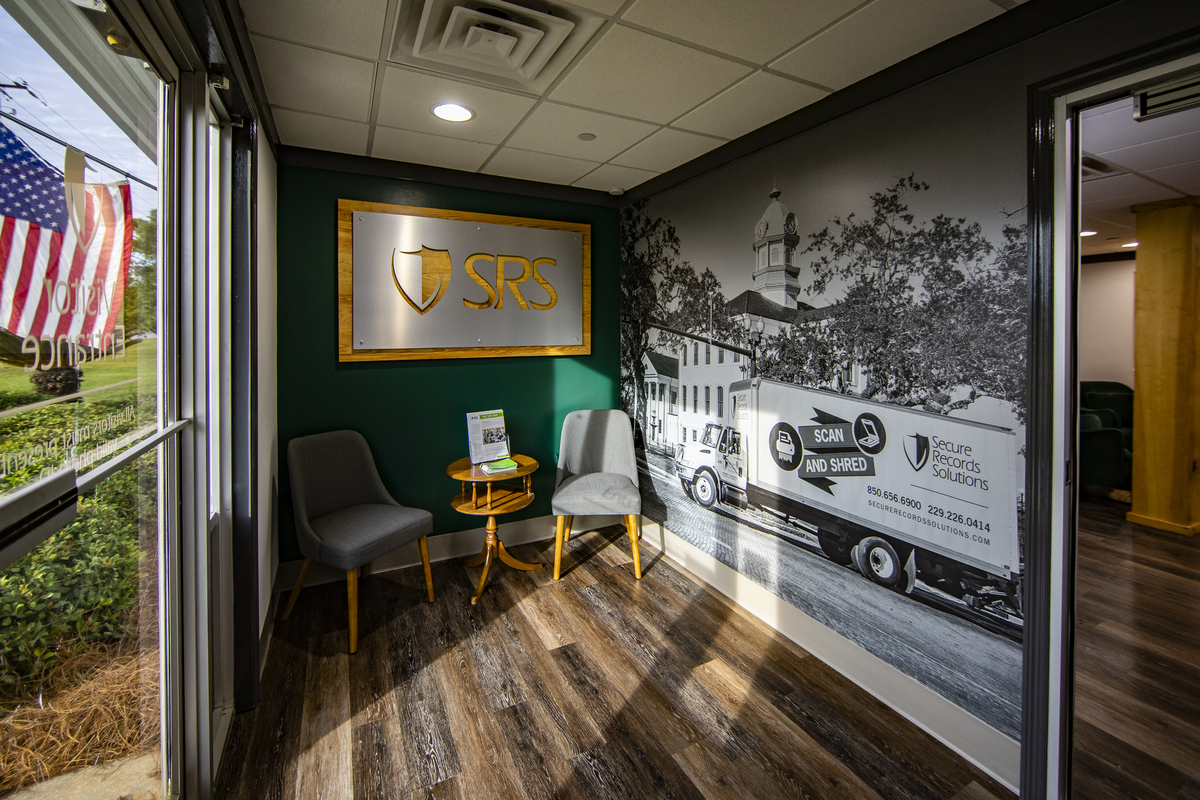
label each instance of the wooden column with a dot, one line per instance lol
(1166, 401)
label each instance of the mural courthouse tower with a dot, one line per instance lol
(776, 276)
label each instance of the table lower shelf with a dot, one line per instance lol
(504, 500)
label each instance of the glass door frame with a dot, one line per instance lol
(1051, 485)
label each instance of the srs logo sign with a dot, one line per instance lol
(436, 267)
(426, 283)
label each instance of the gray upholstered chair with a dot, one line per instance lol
(344, 516)
(597, 474)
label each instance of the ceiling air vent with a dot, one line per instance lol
(515, 46)
(1168, 97)
(1091, 168)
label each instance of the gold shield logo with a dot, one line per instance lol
(435, 276)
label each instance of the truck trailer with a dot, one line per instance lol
(901, 495)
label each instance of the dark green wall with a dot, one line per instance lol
(413, 413)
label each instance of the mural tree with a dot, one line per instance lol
(657, 286)
(928, 308)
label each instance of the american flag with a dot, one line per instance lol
(60, 276)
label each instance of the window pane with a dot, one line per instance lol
(79, 356)
(78, 326)
(79, 662)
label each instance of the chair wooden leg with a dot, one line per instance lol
(425, 563)
(300, 579)
(559, 525)
(631, 527)
(567, 530)
(352, 595)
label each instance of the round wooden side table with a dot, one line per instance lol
(495, 498)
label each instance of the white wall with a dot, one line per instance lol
(1105, 342)
(268, 439)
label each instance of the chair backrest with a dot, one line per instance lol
(331, 471)
(1120, 402)
(1103, 386)
(597, 441)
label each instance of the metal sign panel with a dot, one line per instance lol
(427, 283)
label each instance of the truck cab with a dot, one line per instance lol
(714, 468)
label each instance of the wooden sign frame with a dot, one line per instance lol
(345, 267)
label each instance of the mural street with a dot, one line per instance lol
(977, 669)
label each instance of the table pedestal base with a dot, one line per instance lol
(493, 548)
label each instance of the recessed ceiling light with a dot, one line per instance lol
(616, 192)
(586, 137)
(1087, 233)
(1130, 244)
(452, 112)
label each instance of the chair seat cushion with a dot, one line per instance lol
(596, 493)
(355, 535)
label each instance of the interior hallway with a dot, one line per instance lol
(598, 686)
(1137, 659)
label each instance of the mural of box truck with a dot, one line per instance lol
(897, 494)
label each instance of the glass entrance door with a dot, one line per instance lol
(84, 410)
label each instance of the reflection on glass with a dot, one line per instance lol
(78, 260)
(79, 633)
(79, 642)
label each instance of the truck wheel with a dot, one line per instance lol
(687, 488)
(705, 489)
(836, 547)
(878, 560)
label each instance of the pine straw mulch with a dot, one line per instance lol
(99, 705)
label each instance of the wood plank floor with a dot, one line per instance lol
(598, 686)
(1137, 660)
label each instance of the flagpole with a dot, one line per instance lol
(56, 140)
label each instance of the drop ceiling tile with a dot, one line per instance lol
(608, 7)
(642, 76)
(408, 97)
(610, 176)
(554, 128)
(666, 150)
(513, 163)
(749, 105)
(1157, 154)
(1115, 127)
(312, 80)
(1184, 177)
(320, 133)
(881, 34)
(1127, 189)
(320, 23)
(754, 30)
(426, 148)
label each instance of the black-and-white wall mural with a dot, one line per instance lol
(823, 347)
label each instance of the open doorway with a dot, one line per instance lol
(1136, 726)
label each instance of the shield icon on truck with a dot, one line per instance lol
(916, 449)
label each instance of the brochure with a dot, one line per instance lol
(503, 465)
(486, 438)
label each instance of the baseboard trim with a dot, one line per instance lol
(268, 628)
(1163, 524)
(970, 737)
(441, 548)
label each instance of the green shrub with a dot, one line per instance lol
(79, 586)
(15, 399)
(22, 432)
